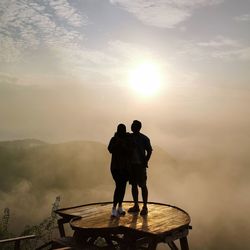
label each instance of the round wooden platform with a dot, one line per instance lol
(164, 223)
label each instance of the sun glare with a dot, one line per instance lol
(145, 79)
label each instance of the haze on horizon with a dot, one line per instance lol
(65, 75)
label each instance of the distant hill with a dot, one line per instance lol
(25, 143)
(56, 166)
(76, 164)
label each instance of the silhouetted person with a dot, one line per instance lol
(140, 155)
(119, 148)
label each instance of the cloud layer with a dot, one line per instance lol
(27, 25)
(243, 18)
(163, 13)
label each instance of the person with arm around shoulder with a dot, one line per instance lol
(141, 151)
(118, 147)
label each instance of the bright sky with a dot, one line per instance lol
(64, 61)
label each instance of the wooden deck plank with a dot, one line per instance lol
(161, 217)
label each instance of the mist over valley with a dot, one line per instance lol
(34, 172)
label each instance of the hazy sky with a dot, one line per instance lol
(69, 68)
(65, 66)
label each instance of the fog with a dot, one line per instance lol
(200, 160)
(65, 69)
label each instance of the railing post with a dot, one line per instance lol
(60, 223)
(17, 245)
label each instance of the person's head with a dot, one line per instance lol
(136, 126)
(121, 129)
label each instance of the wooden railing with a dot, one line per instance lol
(17, 240)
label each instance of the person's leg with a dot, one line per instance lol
(135, 208)
(134, 190)
(144, 192)
(115, 202)
(116, 194)
(122, 190)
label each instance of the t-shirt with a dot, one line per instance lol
(140, 146)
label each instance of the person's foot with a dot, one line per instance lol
(144, 211)
(121, 211)
(114, 212)
(134, 209)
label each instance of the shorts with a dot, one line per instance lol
(138, 175)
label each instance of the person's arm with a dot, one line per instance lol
(149, 153)
(148, 150)
(111, 145)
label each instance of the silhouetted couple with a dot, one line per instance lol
(130, 155)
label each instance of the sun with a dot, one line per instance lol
(145, 79)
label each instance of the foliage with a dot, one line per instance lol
(4, 229)
(4, 224)
(44, 231)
